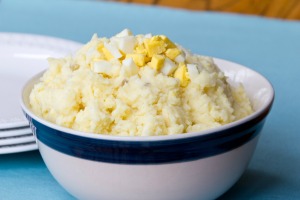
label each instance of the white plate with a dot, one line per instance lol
(18, 148)
(17, 140)
(14, 132)
(22, 56)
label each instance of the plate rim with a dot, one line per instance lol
(15, 132)
(19, 148)
(22, 139)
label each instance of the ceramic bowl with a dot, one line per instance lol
(200, 165)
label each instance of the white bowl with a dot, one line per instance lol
(199, 165)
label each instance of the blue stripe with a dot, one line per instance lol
(149, 152)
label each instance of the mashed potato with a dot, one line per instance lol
(139, 85)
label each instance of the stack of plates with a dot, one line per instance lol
(21, 57)
(16, 140)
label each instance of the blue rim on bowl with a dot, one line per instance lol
(151, 149)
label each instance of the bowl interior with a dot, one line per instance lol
(257, 87)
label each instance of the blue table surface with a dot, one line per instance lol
(271, 47)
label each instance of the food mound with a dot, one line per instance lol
(137, 85)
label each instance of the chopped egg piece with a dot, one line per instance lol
(114, 51)
(168, 67)
(155, 45)
(107, 54)
(138, 58)
(180, 58)
(169, 43)
(148, 35)
(140, 49)
(182, 75)
(172, 53)
(129, 68)
(124, 33)
(157, 62)
(125, 44)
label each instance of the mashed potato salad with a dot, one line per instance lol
(137, 85)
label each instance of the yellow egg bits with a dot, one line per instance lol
(158, 52)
